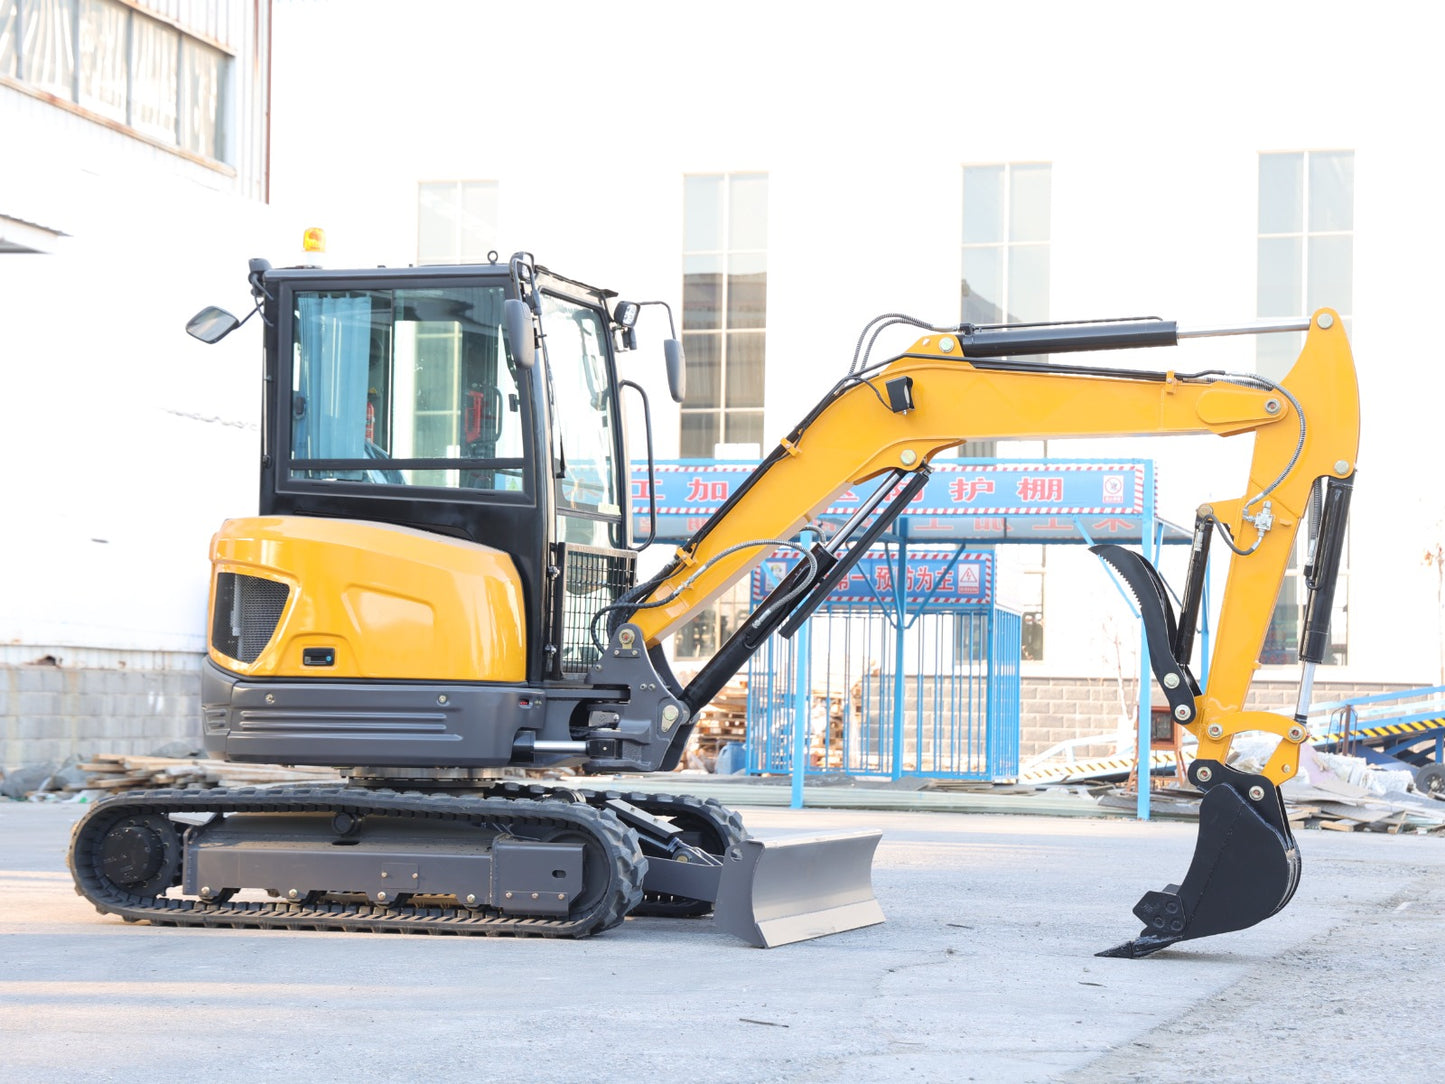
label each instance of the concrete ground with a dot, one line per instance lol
(984, 971)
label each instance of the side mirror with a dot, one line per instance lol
(676, 369)
(518, 320)
(211, 324)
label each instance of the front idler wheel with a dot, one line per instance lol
(141, 854)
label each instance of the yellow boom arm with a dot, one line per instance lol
(1305, 428)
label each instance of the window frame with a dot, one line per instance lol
(1007, 245)
(288, 470)
(226, 67)
(1030, 571)
(1265, 357)
(724, 333)
(458, 188)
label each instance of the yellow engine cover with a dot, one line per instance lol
(391, 602)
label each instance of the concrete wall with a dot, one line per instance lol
(63, 702)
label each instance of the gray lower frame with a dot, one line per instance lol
(356, 723)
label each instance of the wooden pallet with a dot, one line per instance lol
(119, 771)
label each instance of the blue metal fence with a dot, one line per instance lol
(935, 695)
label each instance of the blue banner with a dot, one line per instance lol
(943, 579)
(963, 501)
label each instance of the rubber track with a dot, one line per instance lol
(628, 866)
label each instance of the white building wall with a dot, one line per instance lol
(125, 441)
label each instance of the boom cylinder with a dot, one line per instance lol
(1021, 339)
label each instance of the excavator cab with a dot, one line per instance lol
(403, 396)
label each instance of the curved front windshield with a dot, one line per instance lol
(583, 415)
(413, 387)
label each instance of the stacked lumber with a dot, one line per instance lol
(723, 720)
(831, 712)
(1347, 794)
(117, 771)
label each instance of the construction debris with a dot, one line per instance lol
(1336, 793)
(1331, 792)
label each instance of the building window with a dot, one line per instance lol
(121, 65)
(1006, 243)
(1005, 280)
(9, 39)
(1305, 262)
(1306, 245)
(724, 310)
(724, 334)
(456, 221)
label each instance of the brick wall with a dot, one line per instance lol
(62, 702)
(1059, 709)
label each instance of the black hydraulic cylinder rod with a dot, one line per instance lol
(870, 534)
(1010, 340)
(743, 643)
(1193, 590)
(1323, 569)
(793, 593)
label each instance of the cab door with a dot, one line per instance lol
(589, 466)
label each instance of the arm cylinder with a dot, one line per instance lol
(1324, 567)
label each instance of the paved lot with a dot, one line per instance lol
(984, 971)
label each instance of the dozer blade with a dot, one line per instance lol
(1246, 865)
(774, 892)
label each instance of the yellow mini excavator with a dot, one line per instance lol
(440, 585)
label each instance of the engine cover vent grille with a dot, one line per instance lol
(248, 609)
(591, 579)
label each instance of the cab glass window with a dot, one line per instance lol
(406, 387)
(585, 441)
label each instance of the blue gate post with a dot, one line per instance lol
(1146, 693)
(802, 688)
(900, 618)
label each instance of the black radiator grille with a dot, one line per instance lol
(248, 609)
(591, 579)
